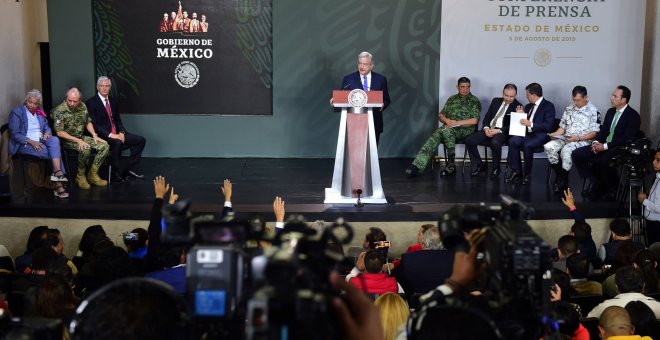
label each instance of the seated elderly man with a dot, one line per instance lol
(31, 135)
(577, 127)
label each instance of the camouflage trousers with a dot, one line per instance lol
(102, 150)
(557, 148)
(444, 135)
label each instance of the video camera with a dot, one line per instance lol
(217, 266)
(517, 283)
(634, 157)
(282, 291)
(293, 300)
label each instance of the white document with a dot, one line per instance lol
(515, 128)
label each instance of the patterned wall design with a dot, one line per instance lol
(316, 43)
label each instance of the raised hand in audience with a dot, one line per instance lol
(173, 197)
(227, 189)
(568, 199)
(358, 315)
(278, 209)
(160, 187)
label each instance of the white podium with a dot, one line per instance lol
(356, 161)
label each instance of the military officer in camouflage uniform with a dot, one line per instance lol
(578, 126)
(71, 119)
(459, 116)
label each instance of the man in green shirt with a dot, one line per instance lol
(459, 116)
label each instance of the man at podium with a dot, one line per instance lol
(369, 81)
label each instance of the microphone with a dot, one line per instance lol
(349, 84)
(359, 201)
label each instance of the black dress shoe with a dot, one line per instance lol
(132, 173)
(450, 170)
(495, 173)
(411, 171)
(514, 177)
(478, 170)
(526, 179)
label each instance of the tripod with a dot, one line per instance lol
(636, 216)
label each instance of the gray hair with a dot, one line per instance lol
(34, 93)
(432, 239)
(72, 91)
(366, 55)
(102, 78)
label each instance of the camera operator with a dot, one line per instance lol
(620, 126)
(651, 202)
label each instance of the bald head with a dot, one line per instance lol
(73, 98)
(615, 321)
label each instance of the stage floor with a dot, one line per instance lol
(301, 182)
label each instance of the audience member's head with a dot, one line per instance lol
(432, 239)
(41, 258)
(374, 261)
(629, 279)
(567, 245)
(55, 298)
(620, 228)
(646, 262)
(112, 264)
(90, 237)
(642, 318)
(134, 308)
(171, 256)
(614, 321)
(422, 230)
(140, 240)
(60, 267)
(373, 236)
(36, 238)
(567, 317)
(581, 230)
(577, 266)
(624, 255)
(394, 312)
(54, 240)
(563, 280)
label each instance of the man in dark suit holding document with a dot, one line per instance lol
(539, 122)
(495, 131)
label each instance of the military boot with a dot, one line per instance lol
(450, 168)
(81, 180)
(93, 177)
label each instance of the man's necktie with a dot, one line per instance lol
(365, 85)
(617, 115)
(531, 111)
(107, 109)
(499, 114)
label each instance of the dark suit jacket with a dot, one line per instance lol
(492, 111)
(99, 116)
(423, 270)
(626, 129)
(544, 118)
(378, 83)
